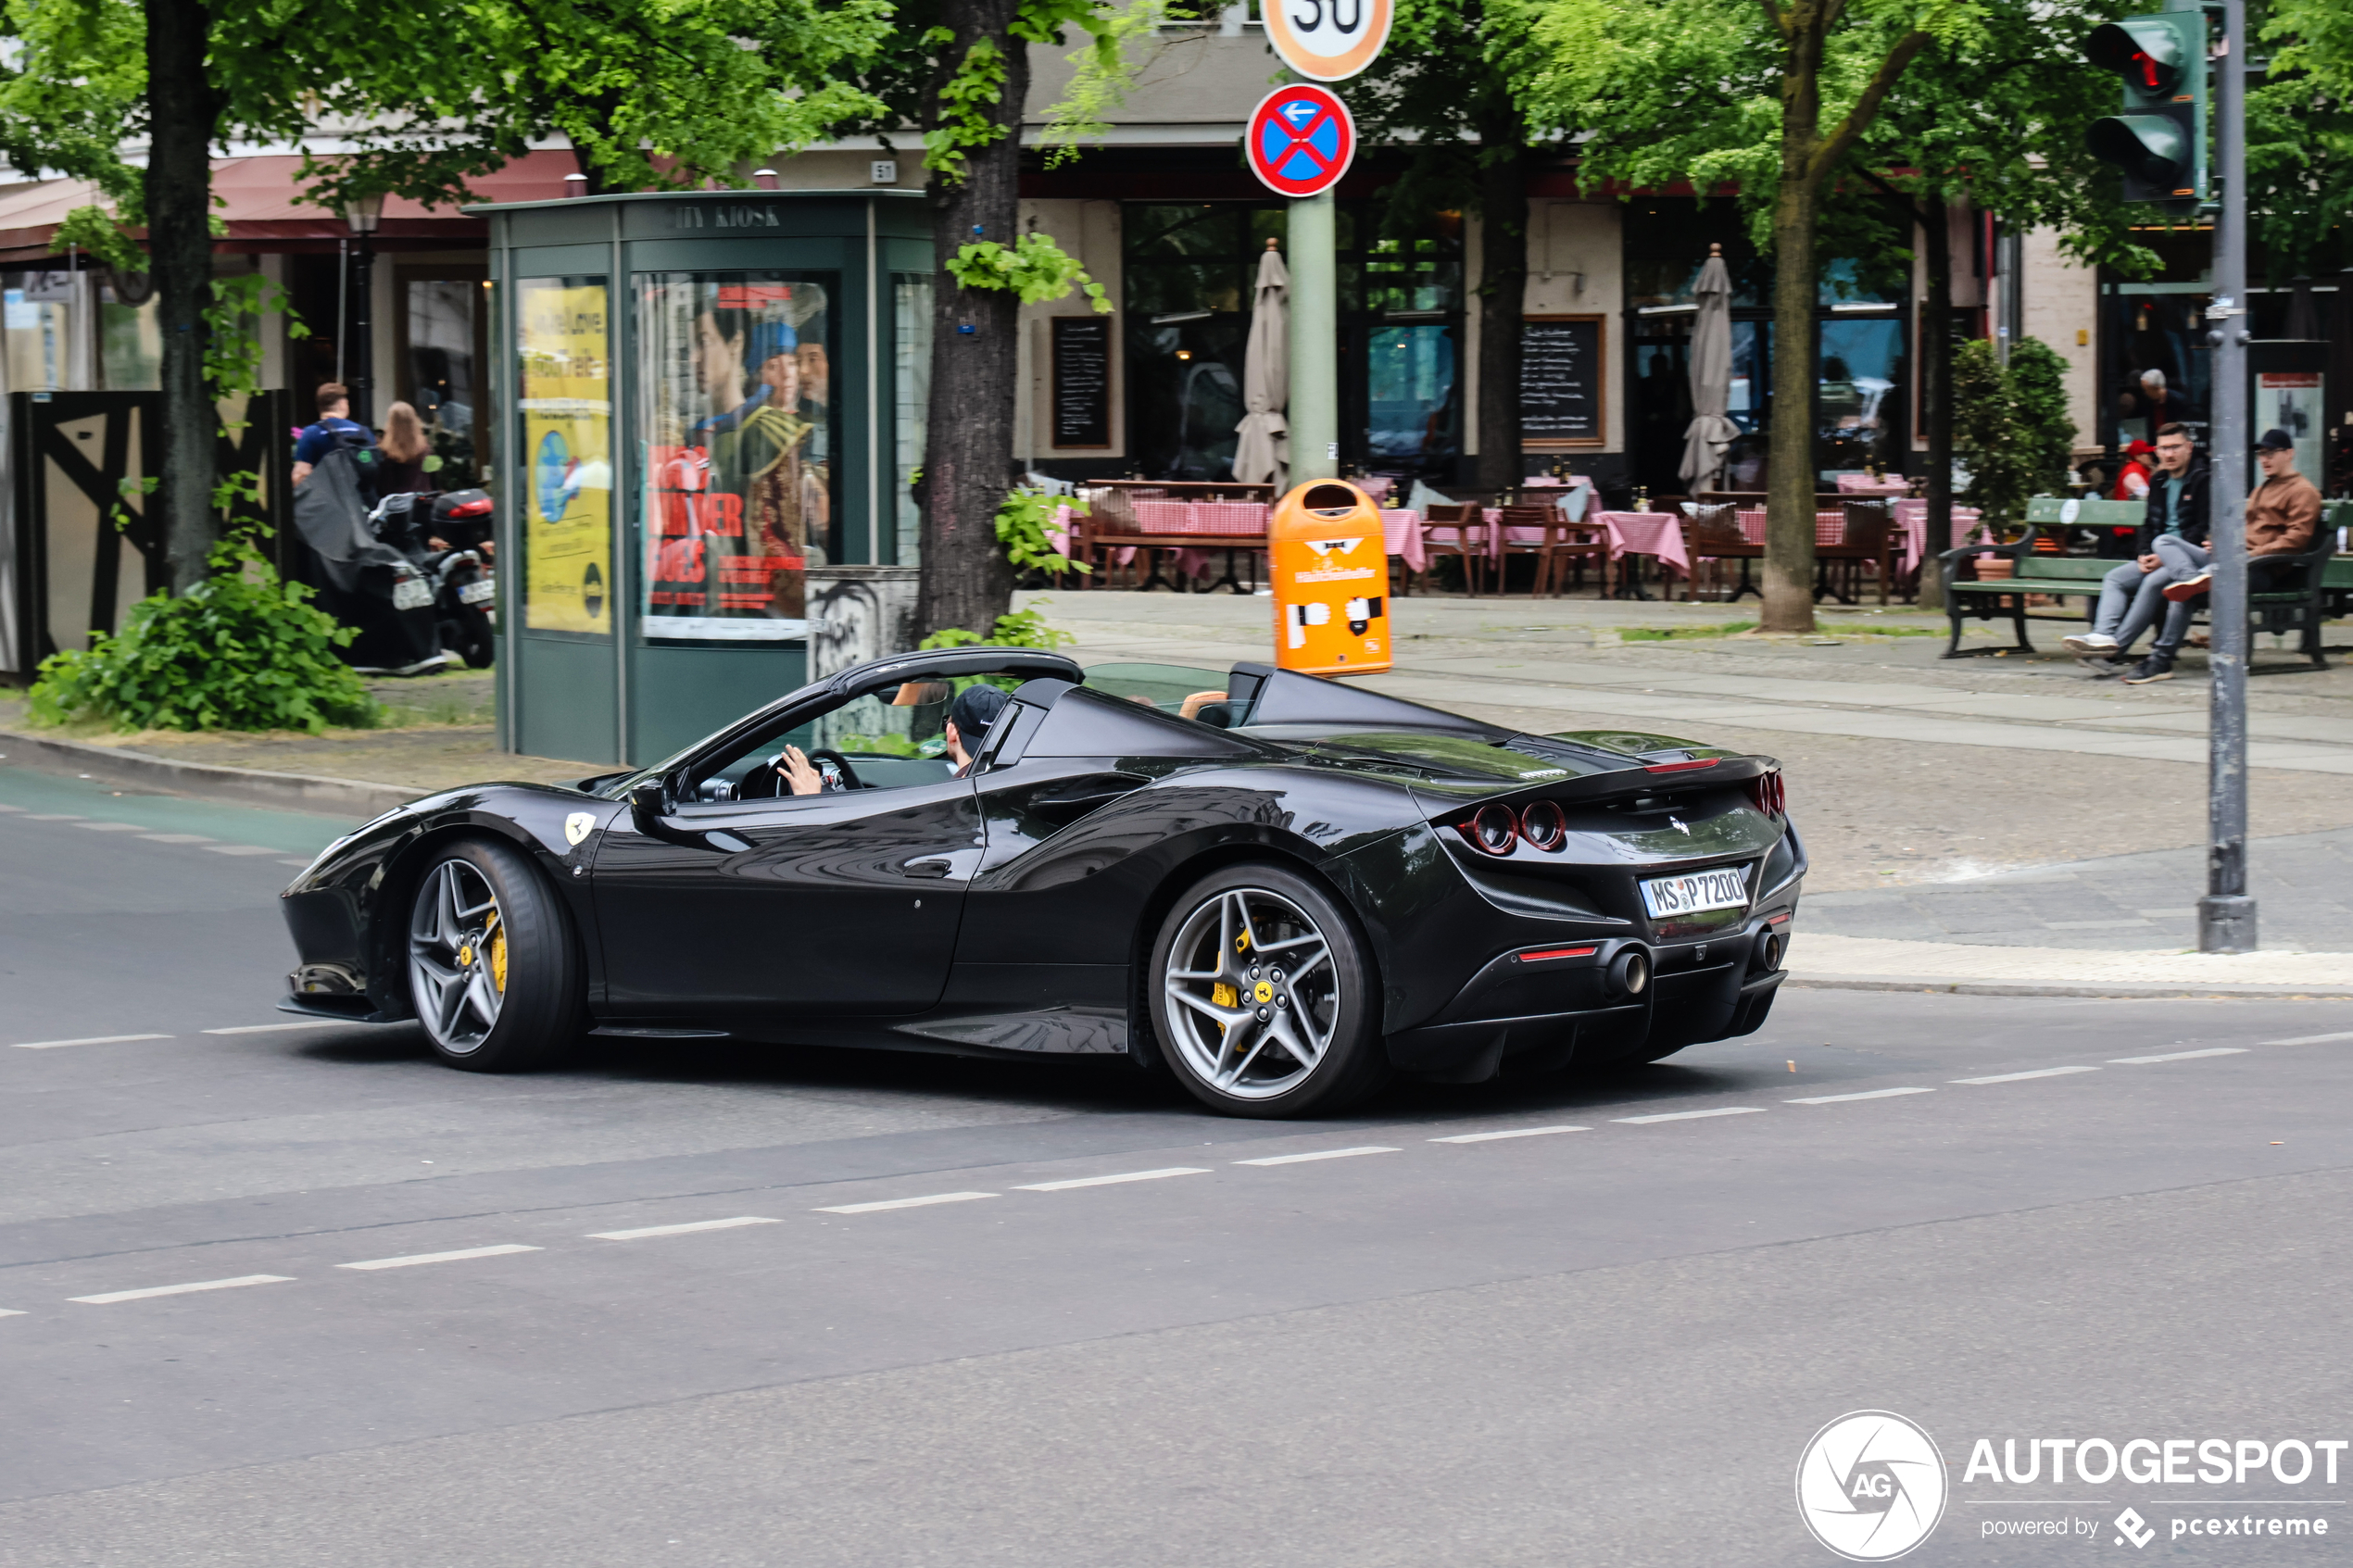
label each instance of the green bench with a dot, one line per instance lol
(2310, 589)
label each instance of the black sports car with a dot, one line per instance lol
(1277, 888)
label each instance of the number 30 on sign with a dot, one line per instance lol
(1327, 39)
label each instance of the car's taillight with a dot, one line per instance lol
(1492, 828)
(1544, 824)
(1767, 794)
(1495, 828)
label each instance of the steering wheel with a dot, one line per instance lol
(849, 779)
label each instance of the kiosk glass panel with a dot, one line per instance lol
(564, 361)
(734, 420)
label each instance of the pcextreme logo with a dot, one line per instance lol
(1871, 1486)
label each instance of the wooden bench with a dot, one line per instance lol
(2302, 592)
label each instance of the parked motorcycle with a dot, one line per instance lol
(448, 536)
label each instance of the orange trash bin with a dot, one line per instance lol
(1330, 564)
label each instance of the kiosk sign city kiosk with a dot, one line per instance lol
(706, 396)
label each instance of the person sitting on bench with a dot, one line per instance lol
(2132, 596)
(2281, 516)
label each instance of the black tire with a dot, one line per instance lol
(493, 969)
(1305, 1042)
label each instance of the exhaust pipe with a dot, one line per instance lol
(1630, 972)
(1770, 945)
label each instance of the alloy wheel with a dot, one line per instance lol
(458, 956)
(1254, 999)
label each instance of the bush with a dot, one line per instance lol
(2010, 427)
(240, 651)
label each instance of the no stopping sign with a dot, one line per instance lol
(1300, 139)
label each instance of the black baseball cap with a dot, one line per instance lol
(2275, 440)
(975, 710)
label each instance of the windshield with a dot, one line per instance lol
(1185, 690)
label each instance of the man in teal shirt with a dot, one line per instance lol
(2133, 595)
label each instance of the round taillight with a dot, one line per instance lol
(1543, 825)
(1493, 830)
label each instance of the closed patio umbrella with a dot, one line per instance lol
(1264, 452)
(1711, 431)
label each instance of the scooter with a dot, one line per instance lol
(446, 537)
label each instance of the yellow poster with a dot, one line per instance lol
(566, 402)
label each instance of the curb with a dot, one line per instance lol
(286, 792)
(2120, 990)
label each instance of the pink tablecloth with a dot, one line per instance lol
(1401, 533)
(1647, 534)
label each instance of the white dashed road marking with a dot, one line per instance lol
(113, 1295)
(176, 838)
(1510, 1133)
(1689, 1115)
(2018, 1077)
(109, 827)
(903, 1203)
(1867, 1094)
(11, 1313)
(644, 1231)
(2175, 1056)
(2313, 1039)
(272, 1028)
(1113, 1181)
(1320, 1154)
(415, 1258)
(242, 849)
(56, 817)
(92, 1040)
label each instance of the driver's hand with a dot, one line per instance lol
(800, 776)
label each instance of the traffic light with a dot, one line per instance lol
(2159, 140)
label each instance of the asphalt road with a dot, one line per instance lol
(676, 1305)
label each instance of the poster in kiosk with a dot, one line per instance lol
(1330, 568)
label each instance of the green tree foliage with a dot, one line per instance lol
(2299, 138)
(2011, 427)
(241, 650)
(1771, 99)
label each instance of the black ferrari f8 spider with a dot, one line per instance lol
(1278, 889)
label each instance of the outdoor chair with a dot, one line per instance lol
(1468, 526)
(1562, 544)
(1712, 533)
(1870, 536)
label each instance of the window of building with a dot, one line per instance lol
(1190, 270)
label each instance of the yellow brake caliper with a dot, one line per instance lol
(495, 939)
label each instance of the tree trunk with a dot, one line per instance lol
(1936, 398)
(180, 107)
(1503, 293)
(976, 339)
(1789, 488)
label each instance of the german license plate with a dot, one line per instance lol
(1723, 889)
(479, 591)
(411, 592)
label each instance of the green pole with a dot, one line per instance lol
(1314, 417)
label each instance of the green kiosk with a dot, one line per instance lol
(704, 397)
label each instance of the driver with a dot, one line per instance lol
(975, 708)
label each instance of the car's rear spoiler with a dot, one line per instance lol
(1261, 695)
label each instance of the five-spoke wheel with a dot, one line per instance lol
(1263, 1000)
(491, 967)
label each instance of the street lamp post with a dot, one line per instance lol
(361, 215)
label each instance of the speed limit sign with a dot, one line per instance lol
(1327, 39)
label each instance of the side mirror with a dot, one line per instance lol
(651, 802)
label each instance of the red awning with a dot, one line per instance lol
(265, 211)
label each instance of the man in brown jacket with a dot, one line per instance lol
(2281, 516)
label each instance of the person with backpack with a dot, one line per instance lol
(334, 428)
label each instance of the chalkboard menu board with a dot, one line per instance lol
(1082, 380)
(1560, 362)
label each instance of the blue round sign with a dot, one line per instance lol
(1300, 139)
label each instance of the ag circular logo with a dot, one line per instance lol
(1871, 1486)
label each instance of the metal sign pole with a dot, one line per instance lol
(1314, 339)
(2226, 915)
